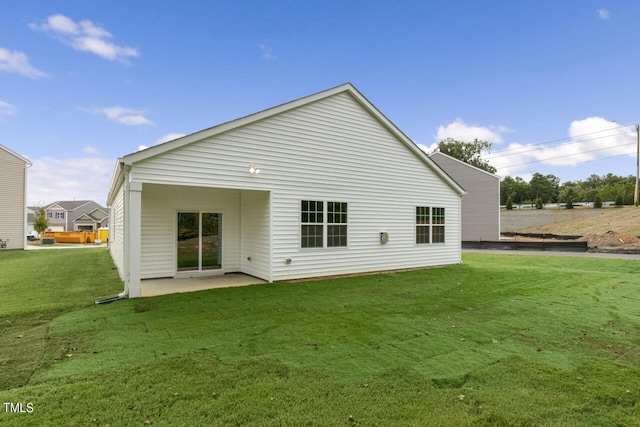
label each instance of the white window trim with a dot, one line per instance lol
(325, 224)
(430, 226)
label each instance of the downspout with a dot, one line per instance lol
(26, 222)
(125, 293)
(460, 226)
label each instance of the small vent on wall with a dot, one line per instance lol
(384, 237)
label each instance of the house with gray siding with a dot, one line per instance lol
(13, 203)
(481, 204)
(323, 185)
(76, 215)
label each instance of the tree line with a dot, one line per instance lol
(547, 189)
(541, 188)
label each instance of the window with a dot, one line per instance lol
(59, 215)
(422, 224)
(312, 213)
(316, 222)
(429, 224)
(336, 224)
(437, 219)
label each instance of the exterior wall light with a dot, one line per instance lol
(254, 170)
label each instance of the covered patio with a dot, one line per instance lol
(155, 287)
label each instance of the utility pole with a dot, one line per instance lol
(636, 196)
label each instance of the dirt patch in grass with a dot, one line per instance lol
(22, 345)
(611, 239)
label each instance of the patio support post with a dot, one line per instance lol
(134, 238)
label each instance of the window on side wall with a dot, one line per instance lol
(318, 222)
(312, 220)
(336, 224)
(423, 223)
(437, 221)
(429, 225)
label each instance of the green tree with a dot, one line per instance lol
(509, 204)
(41, 222)
(597, 203)
(468, 152)
(569, 203)
(545, 187)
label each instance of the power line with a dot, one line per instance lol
(577, 154)
(568, 137)
(527, 148)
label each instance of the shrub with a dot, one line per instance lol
(569, 203)
(597, 203)
(539, 203)
(509, 205)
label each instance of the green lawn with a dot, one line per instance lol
(501, 340)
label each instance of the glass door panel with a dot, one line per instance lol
(188, 241)
(211, 241)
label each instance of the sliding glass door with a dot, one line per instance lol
(199, 241)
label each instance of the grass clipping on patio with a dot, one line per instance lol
(500, 340)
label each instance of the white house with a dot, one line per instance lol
(13, 203)
(323, 185)
(481, 204)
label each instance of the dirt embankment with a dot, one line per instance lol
(617, 228)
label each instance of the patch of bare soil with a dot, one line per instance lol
(615, 228)
(611, 239)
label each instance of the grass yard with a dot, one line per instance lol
(501, 340)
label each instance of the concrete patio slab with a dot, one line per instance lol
(155, 287)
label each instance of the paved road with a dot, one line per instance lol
(555, 253)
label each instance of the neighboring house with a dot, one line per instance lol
(80, 215)
(481, 204)
(324, 185)
(13, 188)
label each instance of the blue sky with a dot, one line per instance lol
(552, 84)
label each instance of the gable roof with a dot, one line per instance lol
(27, 162)
(70, 205)
(91, 216)
(147, 153)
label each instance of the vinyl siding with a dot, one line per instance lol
(481, 204)
(254, 230)
(12, 203)
(331, 150)
(116, 231)
(160, 205)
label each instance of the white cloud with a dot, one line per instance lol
(461, 131)
(78, 178)
(18, 62)
(85, 36)
(267, 52)
(92, 151)
(7, 109)
(125, 116)
(604, 14)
